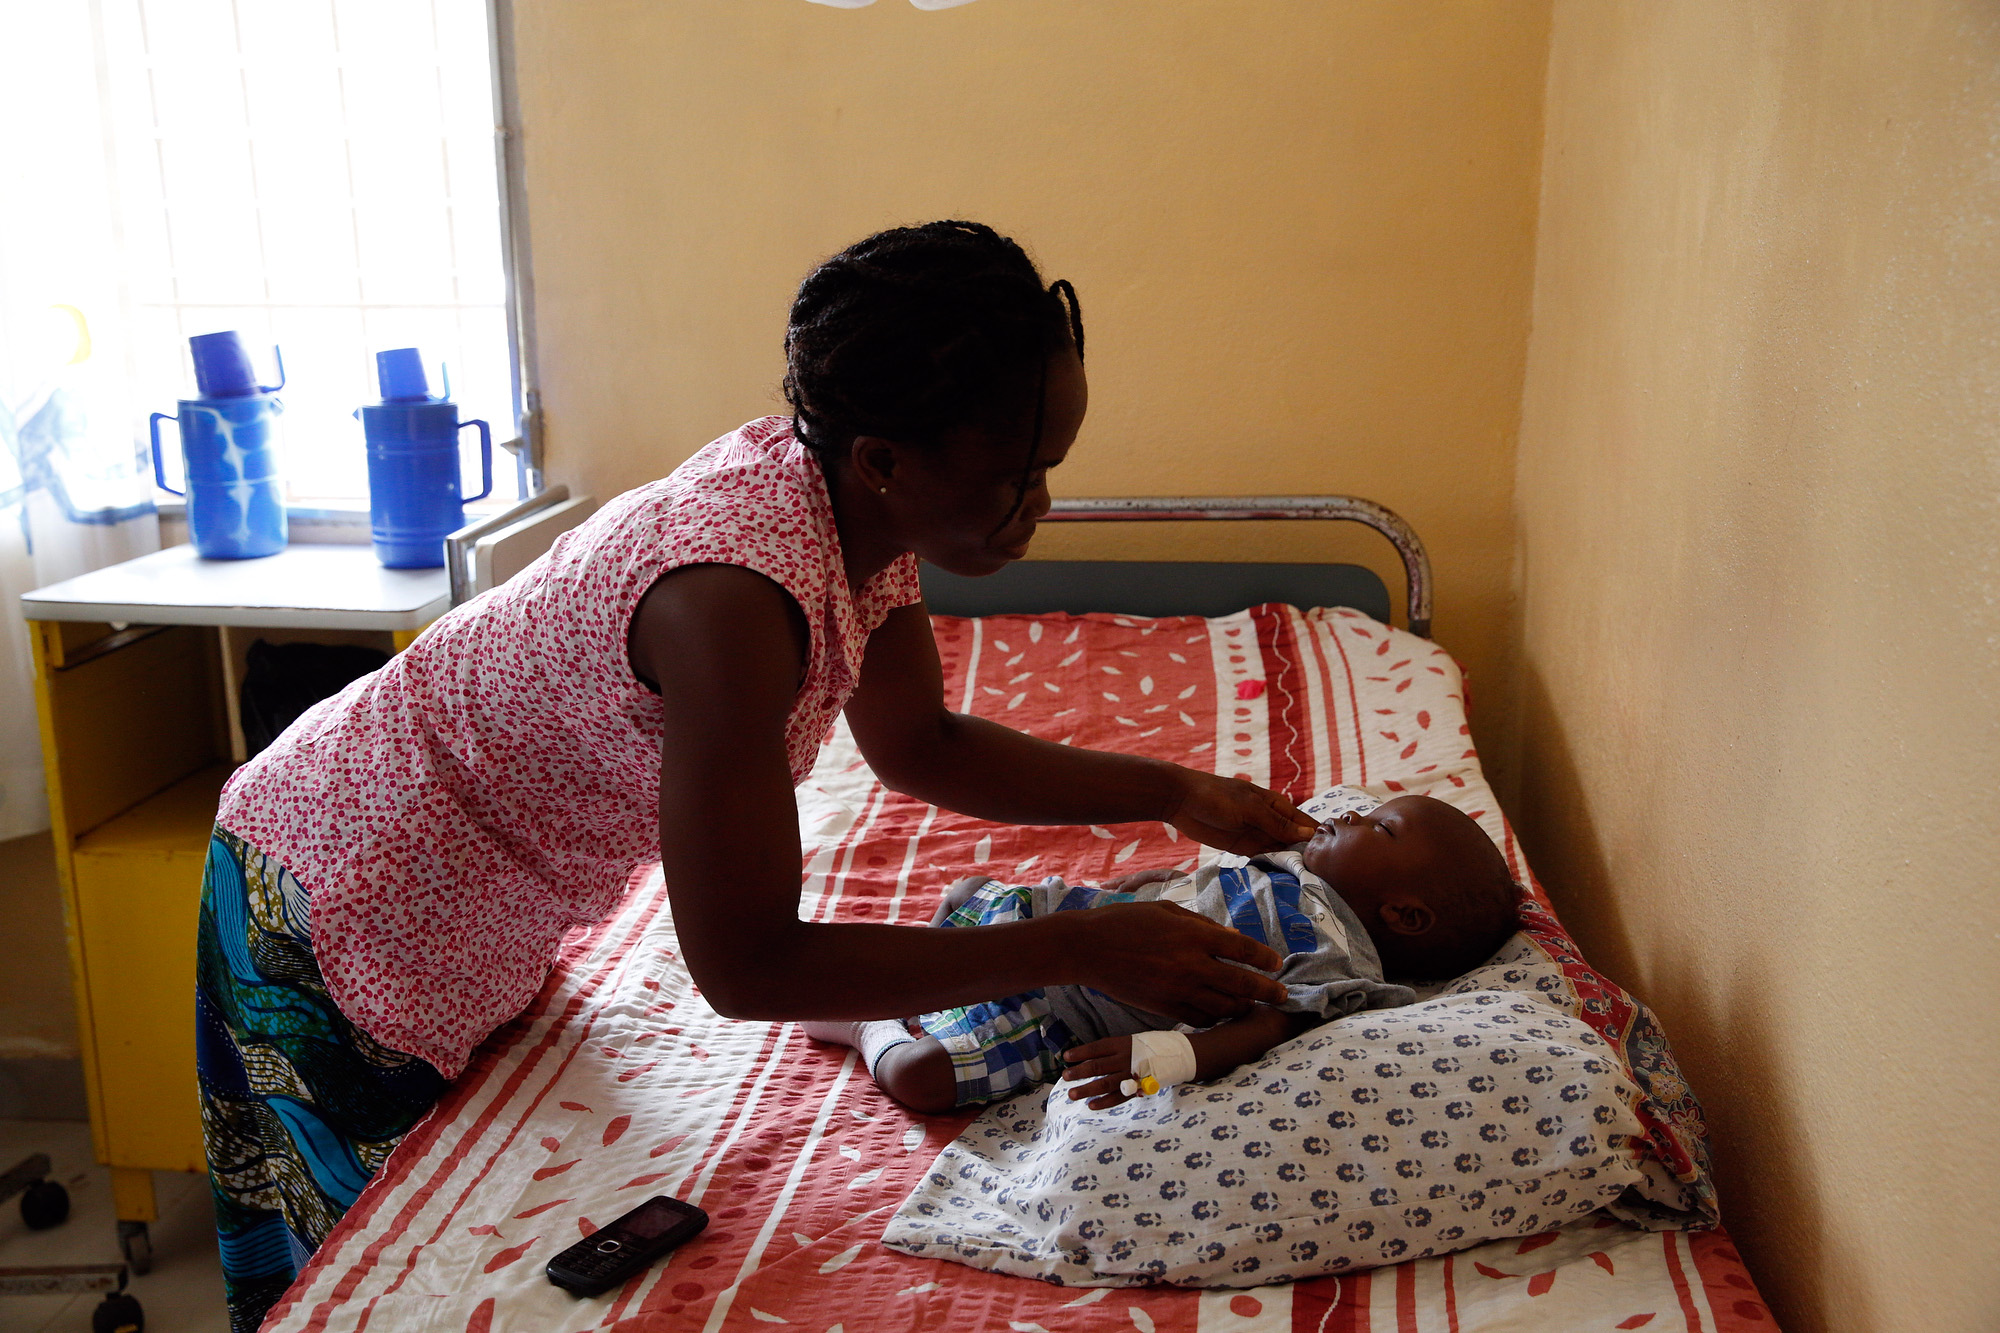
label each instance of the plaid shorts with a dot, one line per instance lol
(999, 1047)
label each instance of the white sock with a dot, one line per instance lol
(879, 1038)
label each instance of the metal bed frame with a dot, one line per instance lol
(1133, 509)
(458, 546)
(1330, 508)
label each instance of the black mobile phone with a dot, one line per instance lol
(605, 1258)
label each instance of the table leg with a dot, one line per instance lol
(132, 1195)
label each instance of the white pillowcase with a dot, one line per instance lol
(1384, 1136)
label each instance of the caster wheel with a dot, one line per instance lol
(136, 1244)
(44, 1204)
(117, 1313)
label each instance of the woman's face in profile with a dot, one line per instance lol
(969, 504)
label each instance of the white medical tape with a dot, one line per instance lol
(1166, 1057)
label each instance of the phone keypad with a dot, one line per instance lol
(593, 1261)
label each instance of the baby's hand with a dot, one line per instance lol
(1139, 879)
(1106, 1064)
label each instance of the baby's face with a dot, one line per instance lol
(1424, 878)
(1395, 846)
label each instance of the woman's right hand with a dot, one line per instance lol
(1167, 960)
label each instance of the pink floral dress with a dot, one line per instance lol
(455, 814)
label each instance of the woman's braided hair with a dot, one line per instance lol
(918, 329)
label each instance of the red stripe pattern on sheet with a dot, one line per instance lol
(619, 1083)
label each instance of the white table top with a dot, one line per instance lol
(302, 587)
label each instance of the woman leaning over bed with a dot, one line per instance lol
(390, 881)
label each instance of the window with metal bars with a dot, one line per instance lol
(321, 175)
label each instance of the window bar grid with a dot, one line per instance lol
(274, 304)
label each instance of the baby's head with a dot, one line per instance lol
(1426, 881)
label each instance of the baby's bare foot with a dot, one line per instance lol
(840, 1033)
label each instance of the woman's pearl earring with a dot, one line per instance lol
(885, 490)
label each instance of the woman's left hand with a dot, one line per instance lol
(1236, 816)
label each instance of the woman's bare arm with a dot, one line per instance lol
(965, 763)
(727, 648)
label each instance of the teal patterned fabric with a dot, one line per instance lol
(299, 1107)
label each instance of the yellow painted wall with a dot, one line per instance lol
(1759, 507)
(1302, 233)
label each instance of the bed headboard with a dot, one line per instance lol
(1157, 588)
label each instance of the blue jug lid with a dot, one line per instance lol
(222, 367)
(400, 372)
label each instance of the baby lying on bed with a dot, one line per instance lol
(1411, 888)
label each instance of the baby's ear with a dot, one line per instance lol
(1407, 916)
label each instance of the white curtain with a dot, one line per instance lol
(75, 491)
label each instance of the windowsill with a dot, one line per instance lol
(332, 521)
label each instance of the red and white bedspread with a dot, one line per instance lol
(619, 1083)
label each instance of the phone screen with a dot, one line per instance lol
(652, 1220)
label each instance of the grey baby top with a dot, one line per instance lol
(1331, 967)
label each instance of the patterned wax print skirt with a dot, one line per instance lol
(298, 1106)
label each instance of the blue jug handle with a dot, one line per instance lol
(159, 467)
(277, 354)
(485, 458)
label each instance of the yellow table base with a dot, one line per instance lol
(137, 743)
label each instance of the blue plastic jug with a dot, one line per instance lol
(229, 445)
(414, 499)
